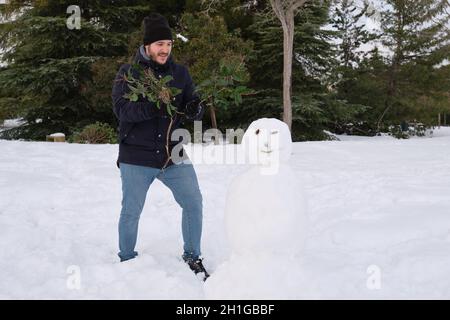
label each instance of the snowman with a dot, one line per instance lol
(265, 220)
(265, 209)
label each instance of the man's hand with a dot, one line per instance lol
(193, 109)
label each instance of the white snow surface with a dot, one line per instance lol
(379, 212)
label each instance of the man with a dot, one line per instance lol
(145, 147)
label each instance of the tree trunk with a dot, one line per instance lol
(288, 47)
(285, 11)
(396, 64)
(212, 112)
(392, 84)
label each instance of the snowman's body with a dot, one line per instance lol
(266, 223)
(265, 208)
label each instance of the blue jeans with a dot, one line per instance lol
(182, 181)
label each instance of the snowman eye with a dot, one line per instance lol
(257, 131)
(274, 132)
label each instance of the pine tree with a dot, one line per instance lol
(363, 88)
(216, 60)
(236, 13)
(348, 19)
(417, 34)
(352, 33)
(60, 79)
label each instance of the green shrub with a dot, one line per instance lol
(407, 130)
(96, 133)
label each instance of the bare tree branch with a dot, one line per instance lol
(297, 4)
(277, 9)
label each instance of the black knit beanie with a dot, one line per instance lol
(156, 28)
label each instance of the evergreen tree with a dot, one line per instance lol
(216, 60)
(60, 79)
(417, 34)
(348, 19)
(363, 88)
(236, 13)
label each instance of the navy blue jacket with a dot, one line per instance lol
(143, 128)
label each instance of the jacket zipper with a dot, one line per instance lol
(168, 133)
(167, 144)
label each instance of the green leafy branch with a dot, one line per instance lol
(151, 88)
(225, 86)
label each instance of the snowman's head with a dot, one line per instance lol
(267, 141)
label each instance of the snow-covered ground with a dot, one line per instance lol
(379, 210)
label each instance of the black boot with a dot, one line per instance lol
(196, 266)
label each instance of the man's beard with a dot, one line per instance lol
(155, 56)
